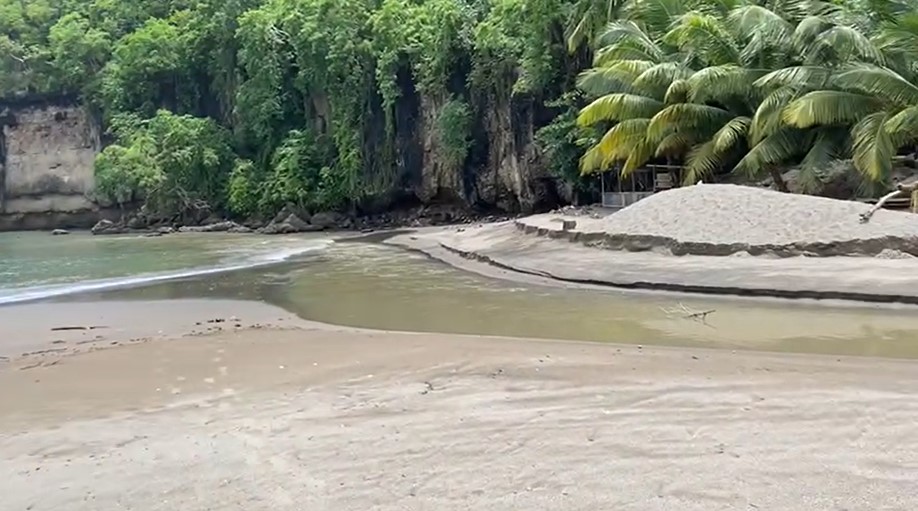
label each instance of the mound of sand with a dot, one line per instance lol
(725, 219)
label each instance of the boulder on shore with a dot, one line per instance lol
(224, 226)
(289, 225)
(288, 210)
(108, 227)
(330, 220)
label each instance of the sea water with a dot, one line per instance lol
(377, 286)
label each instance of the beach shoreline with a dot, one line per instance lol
(238, 405)
(267, 418)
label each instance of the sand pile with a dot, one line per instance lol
(726, 219)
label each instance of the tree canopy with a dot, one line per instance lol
(749, 86)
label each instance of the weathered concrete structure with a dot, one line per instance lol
(47, 149)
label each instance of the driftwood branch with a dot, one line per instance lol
(902, 190)
(703, 315)
(685, 313)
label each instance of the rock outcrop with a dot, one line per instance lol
(221, 226)
(105, 226)
(289, 225)
(47, 152)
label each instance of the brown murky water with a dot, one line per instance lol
(376, 286)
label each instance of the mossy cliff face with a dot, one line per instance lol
(498, 166)
(49, 147)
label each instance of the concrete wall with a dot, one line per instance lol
(47, 149)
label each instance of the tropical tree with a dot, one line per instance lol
(875, 100)
(712, 86)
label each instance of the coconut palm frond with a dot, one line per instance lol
(718, 82)
(618, 143)
(702, 119)
(640, 154)
(616, 77)
(674, 145)
(903, 127)
(779, 147)
(873, 147)
(618, 107)
(702, 162)
(828, 144)
(828, 107)
(767, 118)
(732, 134)
(880, 82)
(592, 161)
(704, 36)
(801, 77)
(677, 92)
(629, 33)
(755, 20)
(656, 80)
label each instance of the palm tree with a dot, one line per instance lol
(694, 81)
(875, 100)
(668, 77)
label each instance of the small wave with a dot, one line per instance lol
(251, 261)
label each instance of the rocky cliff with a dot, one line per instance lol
(503, 169)
(47, 149)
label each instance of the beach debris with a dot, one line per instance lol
(64, 328)
(687, 313)
(902, 190)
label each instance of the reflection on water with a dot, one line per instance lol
(376, 286)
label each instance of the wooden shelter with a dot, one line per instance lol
(620, 192)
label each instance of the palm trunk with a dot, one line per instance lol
(778, 178)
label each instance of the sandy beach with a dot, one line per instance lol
(311, 416)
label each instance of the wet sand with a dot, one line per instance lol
(318, 417)
(42, 331)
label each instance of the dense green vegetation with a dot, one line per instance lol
(753, 87)
(247, 105)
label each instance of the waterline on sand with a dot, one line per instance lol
(234, 263)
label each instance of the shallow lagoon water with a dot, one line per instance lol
(378, 286)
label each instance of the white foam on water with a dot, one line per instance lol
(241, 261)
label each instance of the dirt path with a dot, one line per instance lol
(341, 419)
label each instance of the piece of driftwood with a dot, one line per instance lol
(684, 312)
(903, 190)
(62, 328)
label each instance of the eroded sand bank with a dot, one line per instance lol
(322, 417)
(518, 253)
